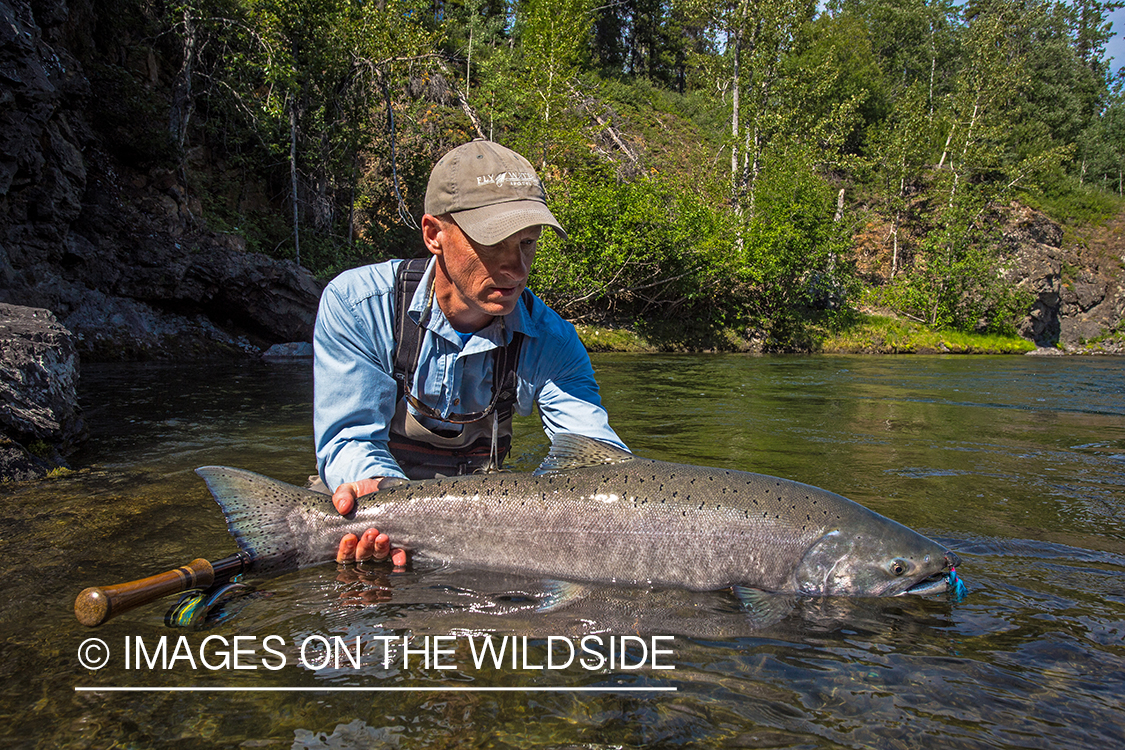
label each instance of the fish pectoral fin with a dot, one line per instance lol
(559, 594)
(763, 608)
(570, 451)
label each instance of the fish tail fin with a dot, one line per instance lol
(258, 511)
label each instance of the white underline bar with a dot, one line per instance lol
(341, 689)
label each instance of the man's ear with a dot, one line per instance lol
(432, 228)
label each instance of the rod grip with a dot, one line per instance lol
(97, 604)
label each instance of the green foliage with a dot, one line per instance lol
(652, 249)
(957, 284)
(845, 91)
(694, 149)
(791, 267)
(635, 249)
(1067, 201)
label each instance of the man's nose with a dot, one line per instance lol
(513, 261)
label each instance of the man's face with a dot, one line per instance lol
(476, 282)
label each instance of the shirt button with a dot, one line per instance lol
(456, 401)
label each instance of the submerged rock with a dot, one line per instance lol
(291, 350)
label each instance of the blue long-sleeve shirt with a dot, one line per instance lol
(355, 390)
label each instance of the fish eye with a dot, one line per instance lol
(898, 567)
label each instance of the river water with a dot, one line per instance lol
(1017, 463)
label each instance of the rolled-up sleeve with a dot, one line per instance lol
(354, 391)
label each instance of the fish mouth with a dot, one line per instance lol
(939, 582)
(935, 584)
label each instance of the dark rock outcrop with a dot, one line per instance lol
(118, 251)
(1078, 283)
(39, 417)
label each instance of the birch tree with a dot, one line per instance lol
(757, 37)
(555, 37)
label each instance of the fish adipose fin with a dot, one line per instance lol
(570, 451)
(257, 510)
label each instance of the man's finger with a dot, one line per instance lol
(372, 546)
(344, 499)
(345, 496)
(346, 551)
(398, 557)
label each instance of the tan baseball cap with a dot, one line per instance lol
(491, 191)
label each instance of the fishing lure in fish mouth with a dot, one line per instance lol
(957, 585)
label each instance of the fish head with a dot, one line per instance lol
(885, 559)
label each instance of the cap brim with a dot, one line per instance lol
(489, 225)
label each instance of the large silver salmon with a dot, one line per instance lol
(592, 512)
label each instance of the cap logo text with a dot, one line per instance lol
(511, 179)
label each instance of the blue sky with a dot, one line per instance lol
(1116, 46)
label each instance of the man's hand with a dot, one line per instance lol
(372, 545)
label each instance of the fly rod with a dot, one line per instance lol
(95, 605)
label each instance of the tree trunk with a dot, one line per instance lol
(182, 102)
(293, 177)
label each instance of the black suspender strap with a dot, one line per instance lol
(408, 336)
(408, 340)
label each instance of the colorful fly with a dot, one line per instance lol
(957, 585)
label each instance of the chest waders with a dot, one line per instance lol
(465, 448)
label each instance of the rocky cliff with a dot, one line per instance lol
(117, 250)
(1078, 281)
(39, 417)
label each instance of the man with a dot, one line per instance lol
(479, 345)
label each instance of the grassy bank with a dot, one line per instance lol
(867, 334)
(879, 334)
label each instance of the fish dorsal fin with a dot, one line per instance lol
(570, 451)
